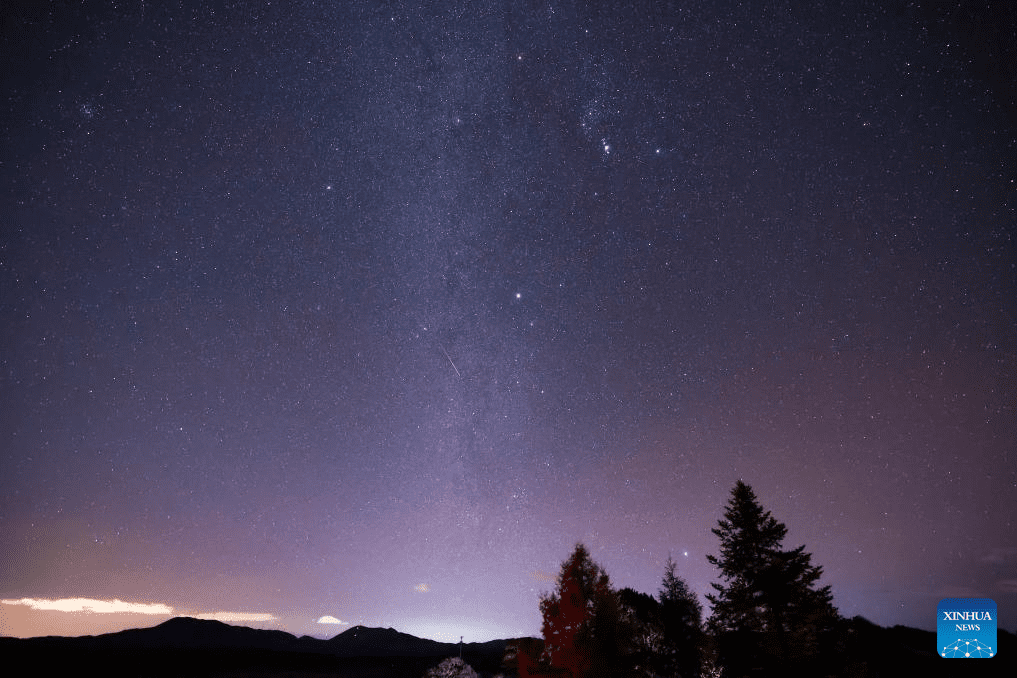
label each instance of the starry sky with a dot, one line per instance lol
(317, 314)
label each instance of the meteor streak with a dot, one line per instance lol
(450, 362)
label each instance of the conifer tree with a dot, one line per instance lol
(581, 619)
(682, 624)
(767, 600)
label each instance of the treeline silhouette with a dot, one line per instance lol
(770, 617)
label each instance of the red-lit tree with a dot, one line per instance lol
(582, 628)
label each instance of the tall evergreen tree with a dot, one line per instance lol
(681, 616)
(767, 604)
(581, 619)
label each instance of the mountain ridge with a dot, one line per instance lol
(207, 648)
(201, 647)
(191, 633)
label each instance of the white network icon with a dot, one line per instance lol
(966, 647)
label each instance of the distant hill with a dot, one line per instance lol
(190, 633)
(199, 647)
(187, 633)
(362, 641)
(207, 649)
(872, 650)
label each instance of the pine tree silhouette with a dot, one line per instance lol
(767, 606)
(682, 621)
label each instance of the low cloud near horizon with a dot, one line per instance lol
(329, 619)
(117, 606)
(235, 616)
(92, 605)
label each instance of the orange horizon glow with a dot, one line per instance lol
(35, 617)
(74, 617)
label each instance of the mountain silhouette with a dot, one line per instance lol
(362, 641)
(206, 648)
(201, 647)
(191, 633)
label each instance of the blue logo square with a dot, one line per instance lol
(966, 628)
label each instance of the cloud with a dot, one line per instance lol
(1001, 555)
(91, 605)
(329, 619)
(117, 606)
(421, 588)
(235, 616)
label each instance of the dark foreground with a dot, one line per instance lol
(190, 647)
(206, 649)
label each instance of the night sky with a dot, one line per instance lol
(368, 312)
